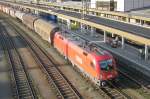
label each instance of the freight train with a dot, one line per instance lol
(97, 64)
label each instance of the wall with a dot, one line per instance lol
(131, 4)
(126, 5)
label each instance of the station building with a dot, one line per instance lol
(119, 5)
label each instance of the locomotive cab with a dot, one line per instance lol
(106, 69)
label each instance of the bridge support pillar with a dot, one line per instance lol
(92, 31)
(36, 12)
(122, 42)
(146, 52)
(82, 27)
(105, 36)
(128, 20)
(141, 22)
(61, 8)
(69, 24)
(112, 34)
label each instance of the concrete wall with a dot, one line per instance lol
(126, 5)
(93, 4)
(120, 5)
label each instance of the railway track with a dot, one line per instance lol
(21, 83)
(112, 91)
(57, 80)
(137, 78)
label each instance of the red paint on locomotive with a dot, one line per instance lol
(98, 67)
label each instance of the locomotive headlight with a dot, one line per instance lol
(103, 83)
(49, 39)
(101, 77)
(94, 62)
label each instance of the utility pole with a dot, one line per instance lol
(85, 6)
(14, 0)
(112, 5)
(83, 9)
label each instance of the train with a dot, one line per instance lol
(96, 64)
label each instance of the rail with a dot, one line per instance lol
(22, 85)
(55, 77)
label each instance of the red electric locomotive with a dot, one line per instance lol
(97, 64)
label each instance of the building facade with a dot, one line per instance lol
(119, 5)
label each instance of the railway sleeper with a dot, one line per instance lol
(67, 92)
(65, 87)
(112, 91)
(25, 93)
(69, 96)
(23, 87)
(62, 84)
(27, 90)
(58, 78)
(46, 64)
(22, 82)
(53, 71)
(19, 75)
(116, 95)
(21, 78)
(60, 81)
(120, 97)
(55, 75)
(26, 97)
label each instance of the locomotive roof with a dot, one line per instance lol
(82, 43)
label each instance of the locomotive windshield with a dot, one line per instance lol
(106, 65)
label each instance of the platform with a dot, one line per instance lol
(136, 30)
(129, 55)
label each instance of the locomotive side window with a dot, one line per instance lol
(84, 53)
(106, 65)
(61, 37)
(92, 65)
